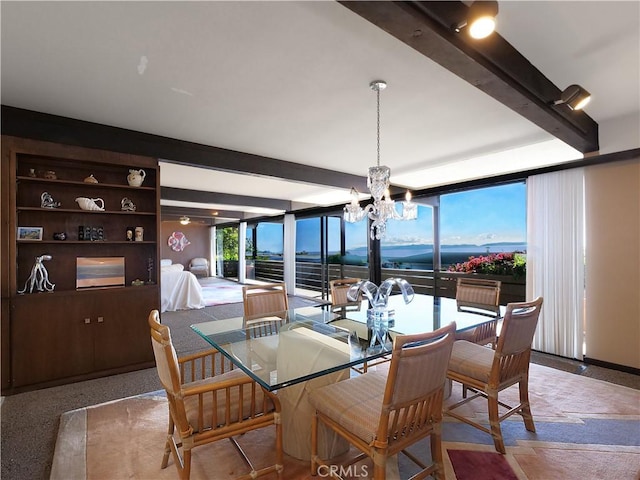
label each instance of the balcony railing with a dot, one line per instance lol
(309, 277)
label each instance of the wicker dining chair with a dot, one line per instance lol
(487, 372)
(382, 415)
(339, 301)
(483, 297)
(210, 401)
(266, 299)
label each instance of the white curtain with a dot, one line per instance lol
(555, 259)
(242, 251)
(290, 252)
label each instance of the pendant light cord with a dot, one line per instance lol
(378, 125)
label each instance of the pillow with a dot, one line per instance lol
(165, 261)
(176, 267)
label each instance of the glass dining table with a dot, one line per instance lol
(296, 350)
(263, 347)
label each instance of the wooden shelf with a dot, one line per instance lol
(94, 331)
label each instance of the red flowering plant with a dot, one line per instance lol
(503, 263)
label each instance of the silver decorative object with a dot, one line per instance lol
(127, 205)
(39, 278)
(46, 201)
(379, 317)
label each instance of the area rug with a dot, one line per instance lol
(217, 294)
(585, 429)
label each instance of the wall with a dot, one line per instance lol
(196, 233)
(612, 194)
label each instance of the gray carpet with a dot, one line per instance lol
(30, 420)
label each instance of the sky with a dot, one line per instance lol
(486, 215)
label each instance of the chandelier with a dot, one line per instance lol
(383, 207)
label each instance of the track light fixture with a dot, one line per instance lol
(481, 19)
(574, 96)
(184, 220)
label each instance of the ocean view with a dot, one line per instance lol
(411, 256)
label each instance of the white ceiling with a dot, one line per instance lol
(290, 80)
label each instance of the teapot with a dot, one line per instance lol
(90, 203)
(136, 177)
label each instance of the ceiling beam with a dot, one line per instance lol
(200, 196)
(492, 64)
(53, 128)
(168, 212)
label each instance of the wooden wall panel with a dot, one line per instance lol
(613, 263)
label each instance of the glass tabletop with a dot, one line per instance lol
(294, 346)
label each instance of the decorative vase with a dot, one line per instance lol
(136, 177)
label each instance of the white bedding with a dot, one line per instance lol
(179, 290)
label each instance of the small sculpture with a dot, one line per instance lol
(379, 315)
(39, 278)
(90, 179)
(59, 236)
(46, 201)
(136, 177)
(127, 205)
(90, 203)
(50, 175)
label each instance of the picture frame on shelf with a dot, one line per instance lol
(31, 234)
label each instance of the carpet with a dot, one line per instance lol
(586, 429)
(221, 294)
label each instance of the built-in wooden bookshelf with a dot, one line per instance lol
(72, 333)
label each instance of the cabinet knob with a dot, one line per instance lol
(100, 319)
(87, 320)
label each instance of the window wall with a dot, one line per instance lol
(408, 244)
(483, 221)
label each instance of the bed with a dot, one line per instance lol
(180, 289)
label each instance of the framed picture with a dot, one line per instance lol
(99, 272)
(30, 233)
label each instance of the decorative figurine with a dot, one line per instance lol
(90, 179)
(150, 269)
(32, 172)
(130, 233)
(46, 201)
(90, 203)
(39, 278)
(50, 175)
(127, 205)
(59, 236)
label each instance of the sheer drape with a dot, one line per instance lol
(555, 259)
(290, 252)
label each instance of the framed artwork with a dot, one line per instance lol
(30, 233)
(177, 241)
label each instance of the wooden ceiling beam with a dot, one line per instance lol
(492, 64)
(200, 196)
(53, 128)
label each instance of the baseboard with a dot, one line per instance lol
(611, 366)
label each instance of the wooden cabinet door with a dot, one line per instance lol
(50, 339)
(122, 334)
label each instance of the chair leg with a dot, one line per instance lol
(494, 421)
(167, 445)
(379, 465)
(279, 454)
(314, 444)
(525, 408)
(436, 452)
(186, 469)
